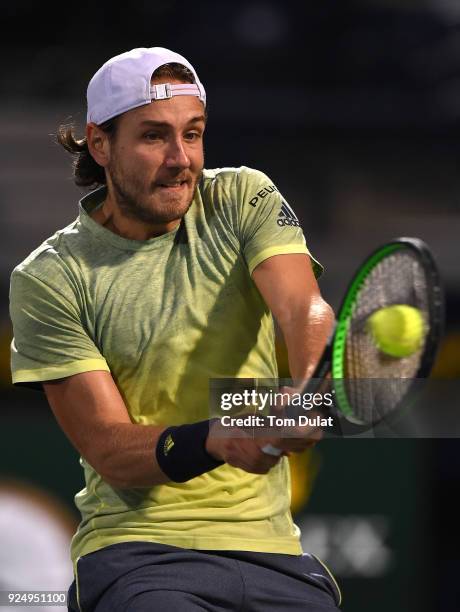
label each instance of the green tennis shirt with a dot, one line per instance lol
(164, 316)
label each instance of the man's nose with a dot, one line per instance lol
(176, 156)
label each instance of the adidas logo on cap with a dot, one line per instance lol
(287, 216)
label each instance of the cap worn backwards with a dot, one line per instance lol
(123, 83)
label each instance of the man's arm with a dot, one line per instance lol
(290, 290)
(93, 415)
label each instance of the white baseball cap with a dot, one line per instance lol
(123, 83)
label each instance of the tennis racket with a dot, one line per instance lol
(369, 384)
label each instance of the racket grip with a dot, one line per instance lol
(268, 449)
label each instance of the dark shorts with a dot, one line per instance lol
(142, 576)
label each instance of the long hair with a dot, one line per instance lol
(86, 171)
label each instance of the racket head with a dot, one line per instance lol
(371, 386)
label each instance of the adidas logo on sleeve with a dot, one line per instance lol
(287, 216)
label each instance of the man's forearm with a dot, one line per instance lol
(90, 410)
(129, 460)
(306, 332)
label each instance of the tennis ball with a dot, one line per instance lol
(397, 330)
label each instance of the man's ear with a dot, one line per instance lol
(98, 144)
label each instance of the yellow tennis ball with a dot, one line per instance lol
(397, 330)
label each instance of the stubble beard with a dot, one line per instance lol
(134, 199)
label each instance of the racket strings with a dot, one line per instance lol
(376, 382)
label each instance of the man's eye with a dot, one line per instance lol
(151, 136)
(192, 135)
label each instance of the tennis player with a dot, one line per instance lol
(170, 277)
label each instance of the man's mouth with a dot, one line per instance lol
(172, 184)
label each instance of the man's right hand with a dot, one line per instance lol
(244, 451)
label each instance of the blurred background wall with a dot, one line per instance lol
(352, 108)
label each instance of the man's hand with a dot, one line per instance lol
(295, 439)
(243, 451)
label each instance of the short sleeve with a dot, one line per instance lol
(268, 224)
(50, 340)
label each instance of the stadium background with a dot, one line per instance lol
(352, 108)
